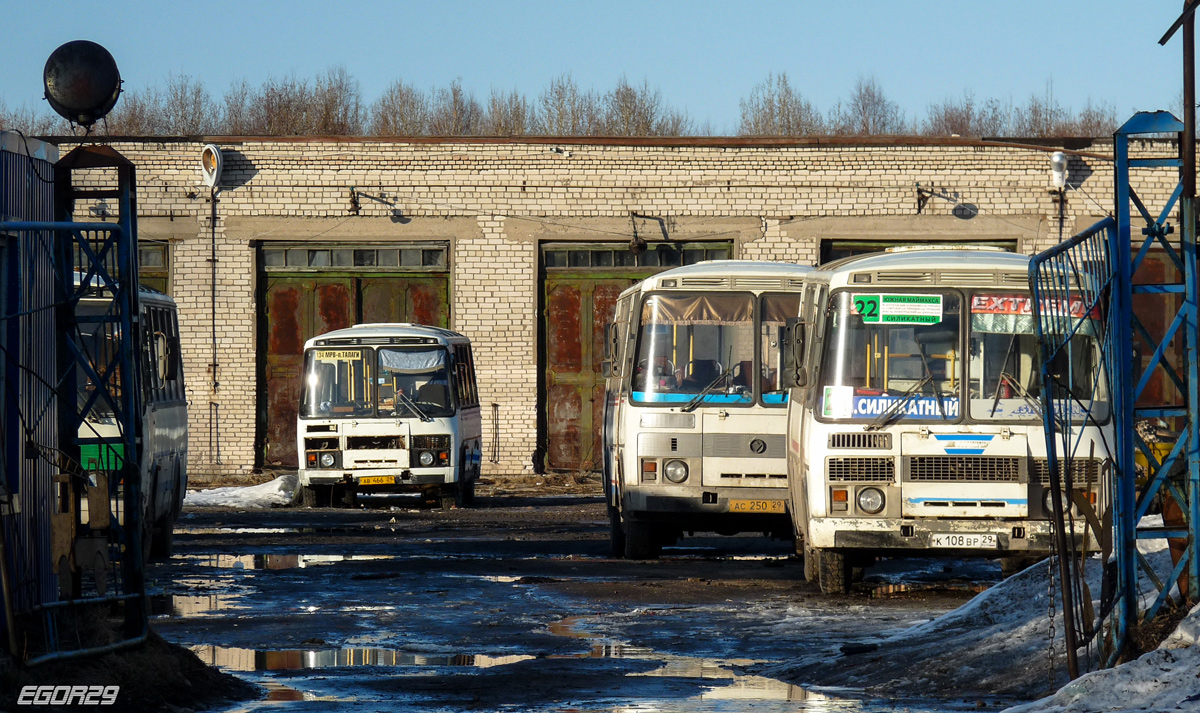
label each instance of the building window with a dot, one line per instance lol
(350, 258)
(154, 266)
(583, 256)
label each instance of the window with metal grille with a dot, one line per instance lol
(590, 257)
(978, 469)
(861, 470)
(343, 257)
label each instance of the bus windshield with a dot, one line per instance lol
(1004, 377)
(337, 384)
(696, 348)
(892, 356)
(414, 382)
(774, 312)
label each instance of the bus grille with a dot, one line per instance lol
(877, 441)
(861, 470)
(1083, 471)
(975, 469)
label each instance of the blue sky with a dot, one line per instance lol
(704, 56)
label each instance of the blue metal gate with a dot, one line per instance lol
(1104, 269)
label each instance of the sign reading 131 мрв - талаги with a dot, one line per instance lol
(899, 309)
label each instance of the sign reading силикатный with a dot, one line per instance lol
(898, 309)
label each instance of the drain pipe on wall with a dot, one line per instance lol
(211, 164)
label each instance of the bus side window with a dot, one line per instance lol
(471, 375)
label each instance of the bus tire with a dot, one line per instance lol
(468, 493)
(616, 533)
(452, 496)
(833, 572)
(641, 541)
(162, 541)
(308, 496)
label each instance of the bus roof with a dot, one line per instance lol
(962, 266)
(727, 274)
(377, 331)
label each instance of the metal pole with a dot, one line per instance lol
(10, 620)
(1187, 238)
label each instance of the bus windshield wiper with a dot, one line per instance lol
(704, 392)
(885, 418)
(412, 406)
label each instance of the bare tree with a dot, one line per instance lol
(630, 110)
(282, 107)
(236, 114)
(868, 112)
(1095, 120)
(966, 117)
(337, 104)
(564, 110)
(30, 121)
(187, 107)
(775, 109)
(508, 114)
(455, 112)
(403, 110)
(137, 113)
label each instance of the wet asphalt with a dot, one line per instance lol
(514, 605)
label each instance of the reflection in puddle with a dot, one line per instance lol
(187, 605)
(235, 659)
(269, 562)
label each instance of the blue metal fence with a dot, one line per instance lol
(1105, 269)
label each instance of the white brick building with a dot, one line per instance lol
(490, 236)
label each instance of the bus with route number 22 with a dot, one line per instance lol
(914, 421)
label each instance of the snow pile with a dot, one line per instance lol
(999, 643)
(275, 493)
(1166, 679)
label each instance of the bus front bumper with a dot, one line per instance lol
(380, 479)
(710, 509)
(949, 536)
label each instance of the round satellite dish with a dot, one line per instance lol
(82, 82)
(210, 165)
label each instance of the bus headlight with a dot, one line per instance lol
(870, 500)
(327, 460)
(426, 458)
(1048, 504)
(676, 471)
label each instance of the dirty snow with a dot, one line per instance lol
(275, 493)
(998, 643)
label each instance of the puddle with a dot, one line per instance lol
(192, 605)
(271, 562)
(236, 659)
(180, 530)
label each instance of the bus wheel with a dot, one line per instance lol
(616, 533)
(641, 541)
(162, 541)
(833, 572)
(468, 493)
(452, 496)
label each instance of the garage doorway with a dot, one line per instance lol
(837, 249)
(580, 285)
(307, 290)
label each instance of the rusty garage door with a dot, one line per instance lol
(580, 288)
(307, 291)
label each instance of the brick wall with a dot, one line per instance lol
(510, 195)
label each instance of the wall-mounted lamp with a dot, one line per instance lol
(211, 165)
(1058, 169)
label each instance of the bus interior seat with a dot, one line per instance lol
(703, 372)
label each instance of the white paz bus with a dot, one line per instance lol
(388, 408)
(914, 424)
(162, 461)
(695, 411)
